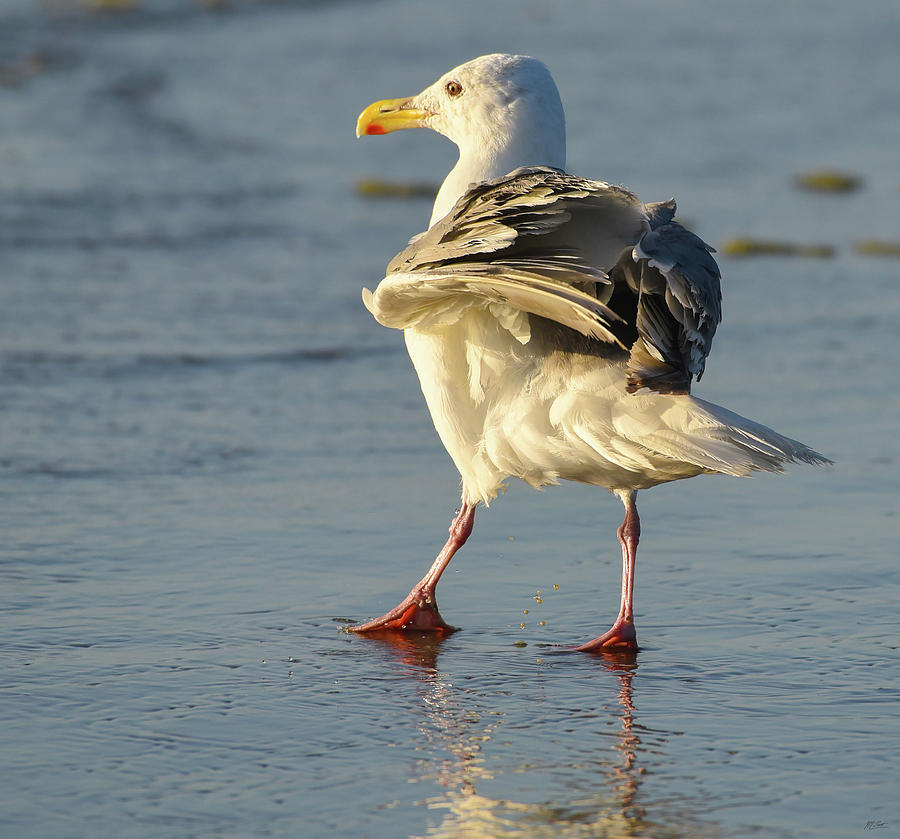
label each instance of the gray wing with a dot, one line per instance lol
(679, 303)
(533, 213)
(537, 241)
(540, 242)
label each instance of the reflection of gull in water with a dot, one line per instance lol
(608, 812)
(460, 738)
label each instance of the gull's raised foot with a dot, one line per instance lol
(622, 637)
(417, 613)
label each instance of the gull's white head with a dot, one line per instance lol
(502, 111)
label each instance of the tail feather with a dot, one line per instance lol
(760, 448)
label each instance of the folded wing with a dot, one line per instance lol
(582, 253)
(676, 281)
(517, 246)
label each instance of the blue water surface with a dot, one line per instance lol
(212, 458)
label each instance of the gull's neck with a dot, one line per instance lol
(490, 158)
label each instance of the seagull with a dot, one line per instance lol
(556, 323)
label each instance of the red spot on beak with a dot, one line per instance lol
(374, 128)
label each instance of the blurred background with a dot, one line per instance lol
(212, 458)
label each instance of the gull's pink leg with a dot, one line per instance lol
(622, 635)
(419, 611)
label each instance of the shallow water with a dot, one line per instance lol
(211, 458)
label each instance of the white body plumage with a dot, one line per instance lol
(510, 398)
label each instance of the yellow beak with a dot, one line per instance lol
(388, 115)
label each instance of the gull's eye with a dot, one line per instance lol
(453, 88)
